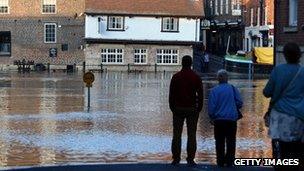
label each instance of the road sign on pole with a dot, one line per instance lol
(89, 78)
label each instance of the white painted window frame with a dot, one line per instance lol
(227, 6)
(43, 3)
(172, 22)
(232, 4)
(5, 3)
(258, 16)
(142, 54)
(251, 17)
(211, 7)
(266, 16)
(221, 7)
(238, 4)
(44, 34)
(216, 7)
(162, 54)
(293, 12)
(110, 22)
(116, 53)
(235, 4)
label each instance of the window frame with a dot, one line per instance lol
(116, 29)
(162, 54)
(8, 8)
(42, 5)
(10, 44)
(221, 7)
(44, 33)
(216, 4)
(293, 13)
(211, 7)
(107, 53)
(142, 55)
(169, 30)
(226, 6)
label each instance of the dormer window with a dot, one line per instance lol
(4, 7)
(116, 23)
(170, 24)
(48, 6)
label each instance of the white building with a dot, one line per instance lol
(141, 34)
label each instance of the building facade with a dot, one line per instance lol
(226, 26)
(45, 31)
(141, 35)
(289, 26)
(259, 20)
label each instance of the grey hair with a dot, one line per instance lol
(222, 73)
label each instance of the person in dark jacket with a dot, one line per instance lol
(186, 101)
(224, 101)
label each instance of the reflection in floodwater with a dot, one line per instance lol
(44, 120)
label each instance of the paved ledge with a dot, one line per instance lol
(140, 167)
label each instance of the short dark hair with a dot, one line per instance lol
(292, 53)
(222, 76)
(187, 61)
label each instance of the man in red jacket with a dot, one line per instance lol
(186, 101)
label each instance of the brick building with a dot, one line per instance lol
(226, 24)
(46, 31)
(289, 25)
(259, 21)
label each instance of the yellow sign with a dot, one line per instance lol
(88, 78)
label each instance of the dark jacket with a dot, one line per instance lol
(186, 91)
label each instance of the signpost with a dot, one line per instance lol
(89, 78)
(53, 52)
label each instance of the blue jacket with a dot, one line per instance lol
(292, 102)
(223, 102)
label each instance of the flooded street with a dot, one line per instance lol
(44, 119)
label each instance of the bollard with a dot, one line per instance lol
(48, 67)
(155, 68)
(83, 66)
(74, 67)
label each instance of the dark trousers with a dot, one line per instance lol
(178, 122)
(225, 135)
(206, 66)
(288, 150)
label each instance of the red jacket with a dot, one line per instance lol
(186, 90)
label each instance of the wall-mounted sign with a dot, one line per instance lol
(236, 12)
(205, 24)
(53, 52)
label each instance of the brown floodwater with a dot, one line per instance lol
(44, 119)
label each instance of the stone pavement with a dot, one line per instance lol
(141, 167)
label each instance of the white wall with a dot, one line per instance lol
(256, 30)
(143, 28)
